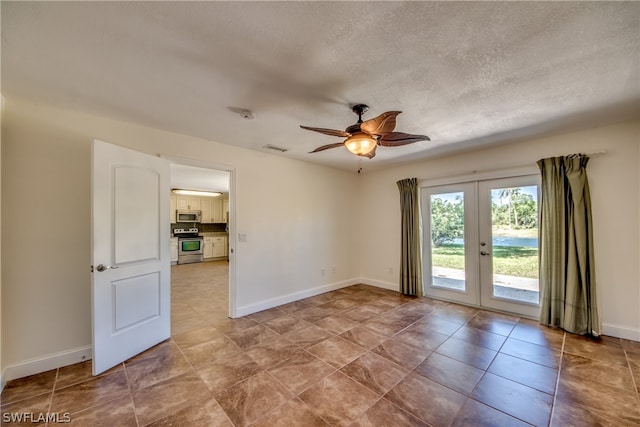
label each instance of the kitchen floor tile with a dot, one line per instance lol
(271, 353)
(338, 399)
(90, 393)
(517, 400)
(336, 324)
(480, 338)
(375, 372)
(30, 386)
(604, 350)
(451, 373)
(364, 337)
(532, 352)
(599, 397)
(476, 414)
(32, 405)
(227, 371)
(479, 357)
(308, 336)
(429, 401)
(385, 413)
(402, 353)
(168, 397)
(154, 369)
(285, 323)
(301, 371)
(336, 351)
(206, 412)
(612, 374)
(251, 398)
(119, 412)
(524, 372)
(533, 332)
(292, 414)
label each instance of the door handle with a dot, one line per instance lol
(102, 267)
(481, 253)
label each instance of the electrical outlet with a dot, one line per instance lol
(333, 270)
(322, 272)
(390, 270)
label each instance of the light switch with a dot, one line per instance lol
(242, 237)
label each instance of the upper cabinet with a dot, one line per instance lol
(211, 210)
(189, 203)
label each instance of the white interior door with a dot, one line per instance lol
(130, 253)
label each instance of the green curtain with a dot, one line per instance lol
(411, 249)
(567, 271)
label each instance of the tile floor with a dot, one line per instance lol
(358, 356)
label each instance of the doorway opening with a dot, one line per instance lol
(203, 291)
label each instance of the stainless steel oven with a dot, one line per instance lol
(190, 245)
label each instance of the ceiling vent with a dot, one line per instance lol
(274, 148)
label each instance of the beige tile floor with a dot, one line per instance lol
(358, 356)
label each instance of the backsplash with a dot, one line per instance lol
(202, 228)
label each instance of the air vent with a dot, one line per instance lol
(273, 147)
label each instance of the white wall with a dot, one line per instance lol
(294, 214)
(615, 189)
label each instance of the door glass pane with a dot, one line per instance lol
(514, 230)
(447, 241)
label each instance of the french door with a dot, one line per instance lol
(481, 243)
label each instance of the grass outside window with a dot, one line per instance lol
(509, 260)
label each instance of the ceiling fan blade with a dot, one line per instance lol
(396, 139)
(381, 125)
(331, 132)
(326, 147)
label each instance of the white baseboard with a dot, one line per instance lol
(619, 331)
(379, 284)
(46, 363)
(295, 296)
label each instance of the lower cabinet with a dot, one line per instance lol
(215, 247)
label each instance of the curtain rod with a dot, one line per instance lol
(595, 153)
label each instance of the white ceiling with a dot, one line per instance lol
(464, 73)
(194, 178)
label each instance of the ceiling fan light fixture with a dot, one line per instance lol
(360, 143)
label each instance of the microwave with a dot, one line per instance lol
(188, 216)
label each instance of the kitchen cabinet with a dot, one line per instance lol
(225, 210)
(219, 247)
(208, 247)
(173, 250)
(211, 210)
(188, 203)
(215, 247)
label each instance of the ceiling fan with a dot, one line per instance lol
(362, 138)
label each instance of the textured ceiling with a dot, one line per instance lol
(464, 73)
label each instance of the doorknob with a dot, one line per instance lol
(481, 253)
(103, 267)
